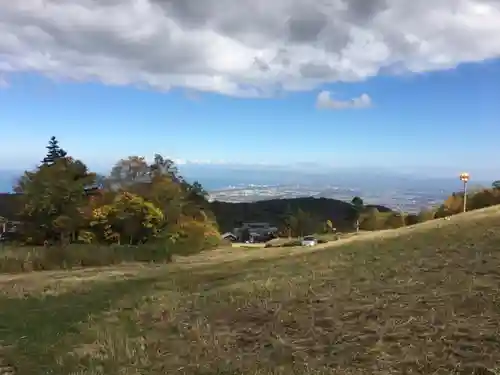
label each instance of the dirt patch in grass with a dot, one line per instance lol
(422, 300)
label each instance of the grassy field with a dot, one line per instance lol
(419, 300)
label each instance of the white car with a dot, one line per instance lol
(309, 241)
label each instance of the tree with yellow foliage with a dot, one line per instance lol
(129, 219)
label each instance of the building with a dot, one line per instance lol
(255, 232)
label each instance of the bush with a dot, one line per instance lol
(194, 237)
(292, 243)
(426, 215)
(24, 259)
(225, 243)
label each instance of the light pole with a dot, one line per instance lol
(464, 177)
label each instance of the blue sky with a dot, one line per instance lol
(447, 119)
(385, 84)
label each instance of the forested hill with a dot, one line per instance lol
(275, 211)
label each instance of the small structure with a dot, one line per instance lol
(255, 232)
(230, 237)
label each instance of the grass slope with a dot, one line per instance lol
(419, 300)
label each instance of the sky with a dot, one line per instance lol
(392, 84)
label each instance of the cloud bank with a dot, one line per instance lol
(243, 47)
(325, 101)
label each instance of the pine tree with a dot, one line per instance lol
(358, 206)
(54, 152)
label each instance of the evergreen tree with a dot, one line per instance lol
(54, 152)
(359, 206)
(53, 200)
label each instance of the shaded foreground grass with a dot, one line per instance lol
(421, 300)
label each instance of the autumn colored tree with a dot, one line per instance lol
(194, 235)
(483, 198)
(392, 220)
(329, 228)
(451, 206)
(54, 200)
(129, 219)
(160, 185)
(370, 219)
(129, 171)
(425, 214)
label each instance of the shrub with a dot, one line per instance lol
(25, 259)
(426, 215)
(195, 236)
(225, 243)
(412, 219)
(292, 243)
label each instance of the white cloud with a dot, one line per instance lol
(325, 101)
(244, 47)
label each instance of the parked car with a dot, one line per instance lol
(309, 241)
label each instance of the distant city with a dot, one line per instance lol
(407, 200)
(396, 191)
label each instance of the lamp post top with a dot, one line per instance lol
(464, 176)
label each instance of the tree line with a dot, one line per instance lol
(63, 202)
(138, 202)
(304, 216)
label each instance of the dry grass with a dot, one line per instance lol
(420, 300)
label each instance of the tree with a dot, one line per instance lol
(165, 194)
(425, 214)
(195, 235)
(54, 152)
(129, 171)
(411, 219)
(359, 206)
(129, 219)
(162, 166)
(329, 226)
(496, 184)
(54, 200)
(196, 198)
(483, 198)
(393, 220)
(285, 221)
(371, 219)
(301, 223)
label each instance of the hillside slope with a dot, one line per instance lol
(422, 300)
(230, 215)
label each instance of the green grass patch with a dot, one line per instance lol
(27, 259)
(419, 300)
